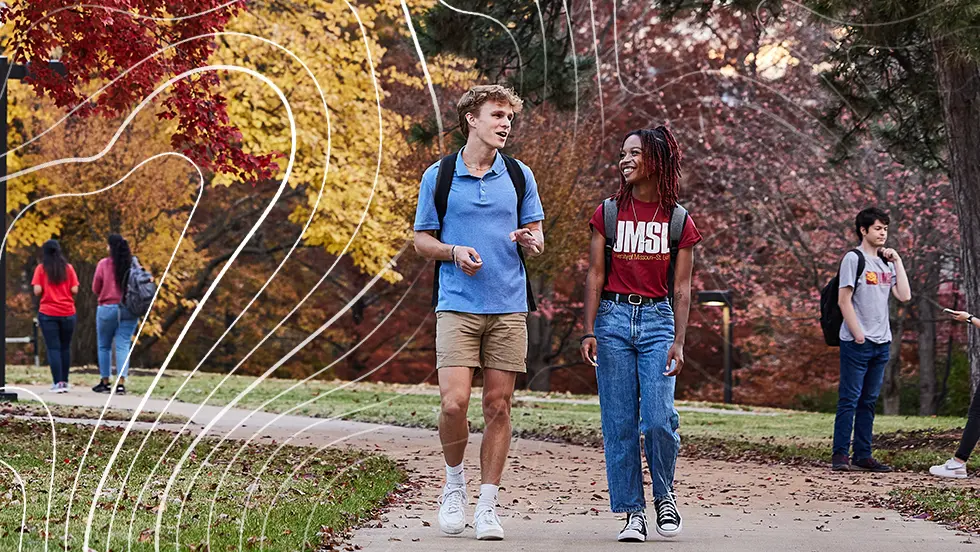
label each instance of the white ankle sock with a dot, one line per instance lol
(455, 476)
(488, 496)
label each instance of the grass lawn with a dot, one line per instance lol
(956, 506)
(315, 497)
(25, 408)
(725, 431)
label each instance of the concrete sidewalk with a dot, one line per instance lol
(554, 496)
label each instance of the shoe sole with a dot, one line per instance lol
(631, 536)
(491, 536)
(840, 468)
(451, 530)
(866, 470)
(944, 476)
(671, 534)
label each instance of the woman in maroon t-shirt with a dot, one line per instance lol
(56, 283)
(635, 334)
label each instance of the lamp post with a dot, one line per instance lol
(8, 72)
(723, 299)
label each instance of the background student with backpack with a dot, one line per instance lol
(955, 467)
(868, 275)
(117, 278)
(637, 300)
(56, 283)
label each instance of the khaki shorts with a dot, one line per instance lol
(490, 341)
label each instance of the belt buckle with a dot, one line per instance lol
(639, 299)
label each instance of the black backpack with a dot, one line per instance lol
(140, 289)
(678, 219)
(831, 317)
(444, 182)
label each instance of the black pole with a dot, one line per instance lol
(5, 396)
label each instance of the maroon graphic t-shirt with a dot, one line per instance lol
(641, 254)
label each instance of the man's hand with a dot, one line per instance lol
(467, 259)
(675, 353)
(890, 255)
(528, 240)
(859, 339)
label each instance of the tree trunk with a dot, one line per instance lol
(891, 389)
(927, 299)
(959, 90)
(539, 342)
(85, 342)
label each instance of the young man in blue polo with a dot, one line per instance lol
(865, 337)
(478, 215)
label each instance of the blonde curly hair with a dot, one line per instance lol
(475, 97)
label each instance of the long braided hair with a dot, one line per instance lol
(661, 159)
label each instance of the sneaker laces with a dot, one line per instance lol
(667, 511)
(953, 465)
(453, 500)
(635, 521)
(487, 516)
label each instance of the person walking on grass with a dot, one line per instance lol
(955, 467)
(478, 214)
(56, 283)
(637, 301)
(114, 323)
(869, 276)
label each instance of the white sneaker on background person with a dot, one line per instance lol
(951, 469)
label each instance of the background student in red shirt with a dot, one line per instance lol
(56, 283)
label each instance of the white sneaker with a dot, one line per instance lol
(55, 388)
(951, 469)
(487, 525)
(452, 518)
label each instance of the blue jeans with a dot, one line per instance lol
(57, 331)
(862, 369)
(114, 323)
(636, 397)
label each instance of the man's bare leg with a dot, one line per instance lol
(498, 389)
(454, 431)
(454, 389)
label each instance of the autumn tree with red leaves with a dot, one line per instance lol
(142, 43)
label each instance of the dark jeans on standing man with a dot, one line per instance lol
(57, 332)
(972, 430)
(862, 369)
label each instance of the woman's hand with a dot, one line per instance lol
(588, 349)
(676, 353)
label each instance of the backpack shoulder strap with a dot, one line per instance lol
(678, 219)
(610, 214)
(444, 182)
(517, 177)
(520, 187)
(860, 266)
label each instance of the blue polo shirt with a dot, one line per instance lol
(481, 213)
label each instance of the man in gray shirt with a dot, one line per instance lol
(865, 337)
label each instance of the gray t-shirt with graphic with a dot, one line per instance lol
(871, 292)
